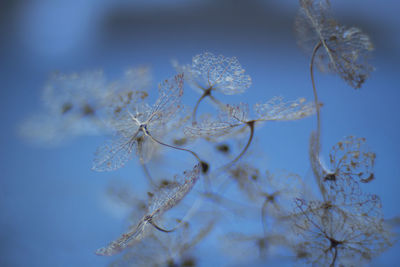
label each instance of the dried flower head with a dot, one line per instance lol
(217, 73)
(136, 123)
(237, 115)
(161, 201)
(331, 236)
(210, 73)
(234, 116)
(342, 49)
(74, 104)
(350, 162)
(167, 250)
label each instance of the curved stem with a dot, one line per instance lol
(315, 90)
(217, 102)
(186, 218)
(263, 214)
(159, 228)
(226, 166)
(251, 125)
(317, 107)
(204, 165)
(204, 95)
(148, 175)
(334, 258)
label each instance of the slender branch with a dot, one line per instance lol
(217, 102)
(226, 166)
(250, 124)
(147, 173)
(161, 229)
(204, 95)
(149, 219)
(186, 218)
(263, 214)
(204, 165)
(317, 107)
(334, 258)
(315, 89)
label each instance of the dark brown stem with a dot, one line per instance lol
(228, 165)
(315, 89)
(204, 165)
(317, 107)
(150, 220)
(334, 258)
(251, 126)
(263, 214)
(204, 95)
(148, 175)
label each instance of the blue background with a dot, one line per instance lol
(52, 204)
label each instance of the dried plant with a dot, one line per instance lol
(330, 236)
(342, 49)
(340, 225)
(74, 104)
(210, 73)
(162, 201)
(350, 162)
(234, 116)
(136, 125)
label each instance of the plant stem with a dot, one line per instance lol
(204, 95)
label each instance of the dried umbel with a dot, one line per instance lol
(137, 123)
(350, 163)
(328, 235)
(159, 249)
(75, 103)
(217, 73)
(161, 201)
(347, 226)
(235, 116)
(209, 73)
(340, 49)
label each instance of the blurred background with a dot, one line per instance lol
(53, 211)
